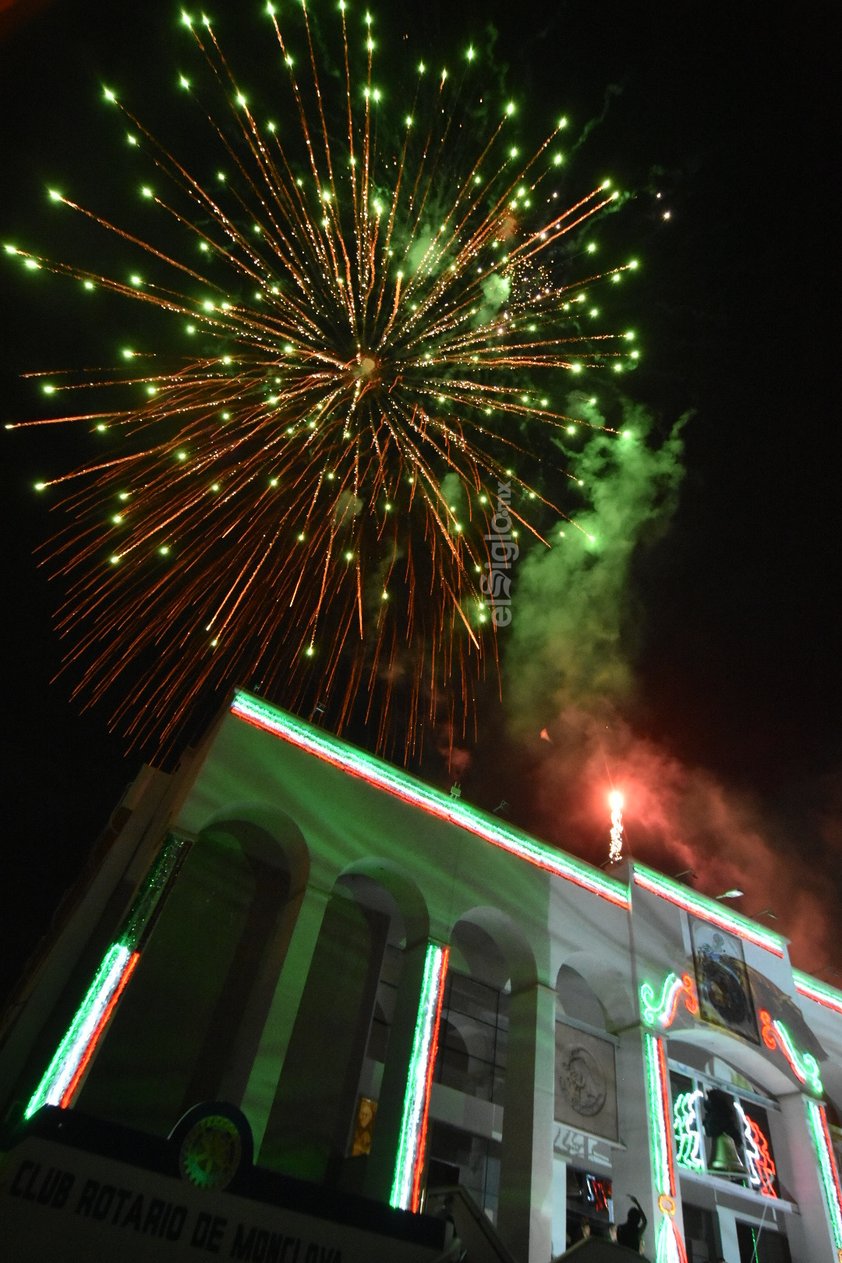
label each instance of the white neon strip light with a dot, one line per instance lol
(410, 1156)
(818, 991)
(817, 1119)
(72, 1048)
(688, 1139)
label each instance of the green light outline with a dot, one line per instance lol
(75, 1041)
(654, 1013)
(804, 1064)
(69, 1052)
(817, 991)
(827, 1164)
(660, 1159)
(708, 909)
(688, 1139)
(247, 707)
(416, 1080)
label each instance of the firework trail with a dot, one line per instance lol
(379, 329)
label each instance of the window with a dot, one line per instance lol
(590, 1209)
(761, 1245)
(473, 1038)
(476, 1158)
(700, 1234)
(740, 1148)
(384, 1008)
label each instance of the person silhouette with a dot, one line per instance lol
(631, 1232)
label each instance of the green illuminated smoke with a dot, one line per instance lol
(574, 612)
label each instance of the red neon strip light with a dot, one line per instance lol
(440, 810)
(803, 986)
(686, 987)
(831, 1156)
(69, 1091)
(673, 1007)
(431, 1065)
(679, 1244)
(740, 930)
(665, 1115)
(766, 1169)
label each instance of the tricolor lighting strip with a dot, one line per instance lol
(660, 1010)
(74, 1053)
(802, 1064)
(268, 718)
(409, 1164)
(688, 1139)
(817, 1121)
(669, 1246)
(761, 1167)
(817, 991)
(708, 910)
(61, 1074)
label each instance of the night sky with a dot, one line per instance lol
(727, 622)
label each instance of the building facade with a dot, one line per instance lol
(371, 989)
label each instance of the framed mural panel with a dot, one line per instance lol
(722, 980)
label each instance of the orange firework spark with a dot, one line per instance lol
(304, 505)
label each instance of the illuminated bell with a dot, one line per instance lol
(726, 1158)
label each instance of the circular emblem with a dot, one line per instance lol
(210, 1152)
(582, 1081)
(212, 1145)
(666, 1204)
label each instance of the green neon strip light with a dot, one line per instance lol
(804, 1065)
(669, 1247)
(660, 1010)
(410, 1157)
(330, 749)
(656, 1010)
(87, 1026)
(708, 910)
(141, 913)
(72, 1048)
(658, 1127)
(688, 1140)
(813, 989)
(817, 1121)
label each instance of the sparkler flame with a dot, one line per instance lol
(376, 326)
(616, 801)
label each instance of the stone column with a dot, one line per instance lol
(811, 1233)
(643, 1166)
(313, 1108)
(526, 1167)
(274, 1041)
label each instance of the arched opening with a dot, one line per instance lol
(585, 1102)
(577, 999)
(491, 969)
(325, 1113)
(731, 1146)
(187, 1028)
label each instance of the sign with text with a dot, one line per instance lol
(63, 1204)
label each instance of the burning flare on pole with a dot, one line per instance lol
(616, 801)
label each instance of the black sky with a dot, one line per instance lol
(729, 109)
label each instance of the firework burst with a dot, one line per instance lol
(381, 317)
